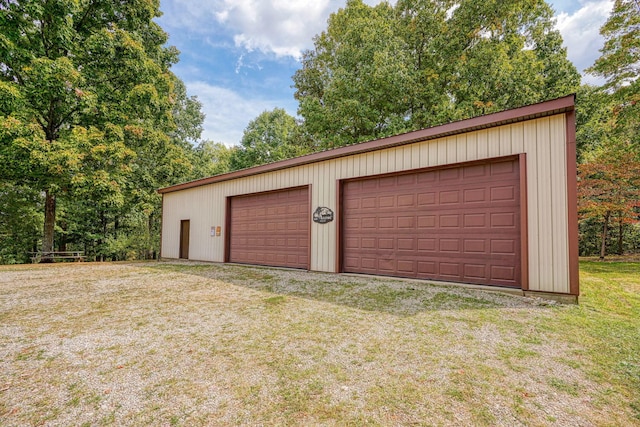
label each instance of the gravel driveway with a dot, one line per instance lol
(204, 344)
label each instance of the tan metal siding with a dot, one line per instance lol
(559, 204)
(543, 140)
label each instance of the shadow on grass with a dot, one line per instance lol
(390, 295)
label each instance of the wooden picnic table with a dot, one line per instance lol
(57, 255)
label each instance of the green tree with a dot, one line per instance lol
(593, 119)
(20, 222)
(90, 95)
(609, 189)
(609, 129)
(381, 70)
(267, 138)
(351, 86)
(212, 158)
(619, 64)
(504, 55)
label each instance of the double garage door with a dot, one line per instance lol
(459, 224)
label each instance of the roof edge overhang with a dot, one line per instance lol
(529, 112)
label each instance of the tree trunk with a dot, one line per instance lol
(620, 235)
(605, 228)
(62, 238)
(150, 252)
(49, 226)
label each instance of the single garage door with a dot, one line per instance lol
(459, 224)
(270, 228)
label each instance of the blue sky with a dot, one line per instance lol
(238, 56)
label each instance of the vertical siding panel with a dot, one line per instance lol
(384, 161)
(295, 175)
(304, 180)
(442, 151)
(482, 142)
(316, 197)
(399, 159)
(271, 179)
(355, 166)
(391, 160)
(369, 162)
(545, 205)
(406, 156)
(214, 220)
(207, 248)
(376, 162)
(559, 212)
(505, 141)
(415, 156)
(279, 180)
(530, 142)
(324, 174)
(330, 228)
(219, 207)
(472, 146)
(318, 184)
(298, 176)
(322, 196)
(452, 151)
(517, 138)
(433, 153)
(346, 167)
(461, 142)
(493, 142)
(424, 154)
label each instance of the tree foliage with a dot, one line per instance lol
(381, 70)
(92, 117)
(619, 63)
(609, 188)
(609, 131)
(268, 138)
(20, 222)
(212, 158)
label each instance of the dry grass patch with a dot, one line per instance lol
(202, 344)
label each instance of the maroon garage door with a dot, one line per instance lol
(270, 228)
(458, 224)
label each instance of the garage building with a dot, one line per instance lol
(488, 201)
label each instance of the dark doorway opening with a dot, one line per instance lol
(184, 238)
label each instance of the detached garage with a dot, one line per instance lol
(488, 201)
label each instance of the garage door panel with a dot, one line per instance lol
(270, 228)
(457, 224)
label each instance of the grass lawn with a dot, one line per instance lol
(201, 344)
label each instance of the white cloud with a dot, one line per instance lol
(581, 33)
(196, 16)
(228, 113)
(282, 27)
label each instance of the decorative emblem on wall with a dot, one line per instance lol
(323, 215)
